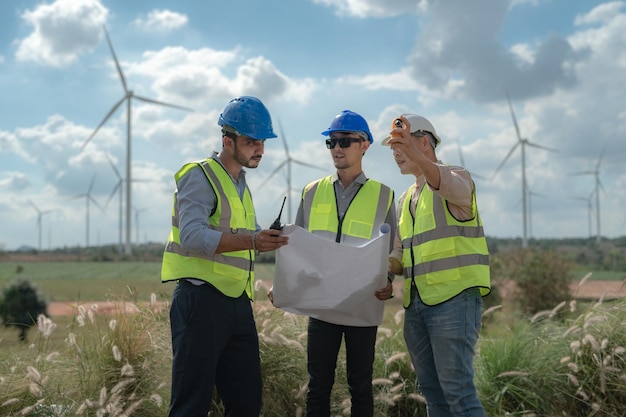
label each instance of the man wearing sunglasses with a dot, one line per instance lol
(348, 208)
(442, 251)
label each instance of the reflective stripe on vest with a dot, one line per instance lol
(230, 272)
(441, 255)
(360, 223)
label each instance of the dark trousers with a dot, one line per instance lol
(214, 343)
(324, 341)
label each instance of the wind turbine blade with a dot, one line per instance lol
(283, 137)
(162, 103)
(93, 179)
(600, 158)
(117, 186)
(306, 164)
(278, 168)
(519, 137)
(583, 173)
(33, 204)
(117, 64)
(541, 147)
(481, 177)
(93, 200)
(113, 109)
(117, 173)
(508, 155)
(458, 145)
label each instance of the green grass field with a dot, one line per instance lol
(91, 281)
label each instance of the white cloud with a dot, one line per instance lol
(162, 20)
(62, 31)
(14, 181)
(202, 75)
(372, 8)
(600, 14)
(460, 41)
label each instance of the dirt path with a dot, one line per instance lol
(589, 290)
(68, 308)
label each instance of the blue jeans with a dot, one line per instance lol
(215, 343)
(441, 341)
(323, 342)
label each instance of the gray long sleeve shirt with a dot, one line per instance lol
(196, 201)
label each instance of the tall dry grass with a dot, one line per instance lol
(569, 360)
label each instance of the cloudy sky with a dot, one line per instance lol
(562, 62)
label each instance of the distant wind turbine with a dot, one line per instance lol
(598, 186)
(589, 207)
(463, 164)
(531, 193)
(522, 142)
(287, 162)
(137, 211)
(40, 215)
(88, 199)
(129, 95)
(118, 188)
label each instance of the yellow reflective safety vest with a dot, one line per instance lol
(232, 273)
(443, 256)
(361, 221)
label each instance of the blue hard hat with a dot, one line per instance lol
(349, 121)
(249, 117)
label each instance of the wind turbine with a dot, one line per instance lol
(137, 211)
(463, 163)
(287, 162)
(40, 214)
(88, 199)
(589, 207)
(129, 95)
(598, 186)
(530, 211)
(522, 143)
(118, 188)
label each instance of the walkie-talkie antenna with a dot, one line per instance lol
(276, 225)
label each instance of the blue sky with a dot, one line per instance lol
(562, 62)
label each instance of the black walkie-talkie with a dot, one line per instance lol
(276, 225)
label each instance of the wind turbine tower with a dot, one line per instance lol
(598, 186)
(522, 143)
(129, 95)
(287, 162)
(88, 199)
(40, 215)
(589, 208)
(118, 187)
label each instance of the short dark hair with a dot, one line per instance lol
(231, 133)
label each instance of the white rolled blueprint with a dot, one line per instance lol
(329, 281)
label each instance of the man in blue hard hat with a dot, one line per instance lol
(210, 253)
(349, 208)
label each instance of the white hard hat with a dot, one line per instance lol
(418, 123)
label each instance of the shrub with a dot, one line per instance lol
(542, 278)
(21, 304)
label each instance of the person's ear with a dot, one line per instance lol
(227, 142)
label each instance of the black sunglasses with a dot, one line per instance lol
(343, 142)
